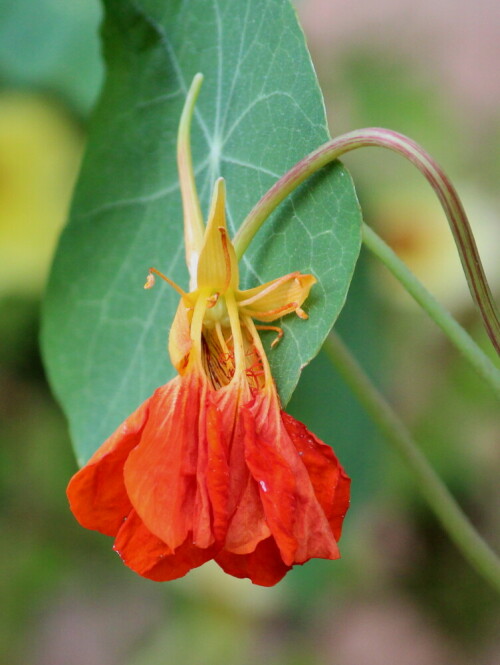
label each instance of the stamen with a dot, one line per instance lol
(276, 329)
(227, 257)
(259, 349)
(301, 314)
(257, 363)
(150, 281)
(221, 339)
(255, 371)
(218, 367)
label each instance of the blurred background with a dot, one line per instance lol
(401, 593)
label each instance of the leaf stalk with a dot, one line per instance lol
(384, 138)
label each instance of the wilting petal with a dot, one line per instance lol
(217, 470)
(276, 484)
(147, 555)
(160, 473)
(248, 525)
(275, 299)
(97, 493)
(247, 522)
(294, 514)
(330, 482)
(263, 566)
(212, 477)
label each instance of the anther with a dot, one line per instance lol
(150, 281)
(301, 314)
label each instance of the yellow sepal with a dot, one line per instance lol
(217, 266)
(277, 298)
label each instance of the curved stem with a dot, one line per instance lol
(454, 521)
(445, 191)
(454, 331)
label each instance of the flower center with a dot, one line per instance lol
(216, 312)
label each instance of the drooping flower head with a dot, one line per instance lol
(209, 466)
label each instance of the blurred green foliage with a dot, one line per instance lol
(52, 46)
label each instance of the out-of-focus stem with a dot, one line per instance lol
(454, 521)
(445, 191)
(452, 329)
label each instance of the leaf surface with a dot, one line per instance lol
(259, 111)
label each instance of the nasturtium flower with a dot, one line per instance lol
(209, 466)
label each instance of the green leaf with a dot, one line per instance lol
(259, 111)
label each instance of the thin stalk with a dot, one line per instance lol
(452, 329)
(466, 538)
(445, 191)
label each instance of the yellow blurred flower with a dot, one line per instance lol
(40, 152)
(415, 227)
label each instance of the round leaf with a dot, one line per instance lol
(259, 111)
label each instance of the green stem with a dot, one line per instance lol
(445, 191)
(466, 538)
(454, 331)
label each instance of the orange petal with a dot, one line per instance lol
(217, 471)
(329, 480)
(96, 493)
(178, 478)
(210, 514)
(148, 556)
(247, 523)
(264, 566)
(161, 472)
(276, 484)
(294, 514)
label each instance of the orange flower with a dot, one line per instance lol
(209, 467)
